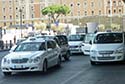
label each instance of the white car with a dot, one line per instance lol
(31, 55)
(107, 47)
(85, 45)
(75, 42)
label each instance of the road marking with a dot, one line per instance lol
(75, 75)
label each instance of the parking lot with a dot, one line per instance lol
(76, 71)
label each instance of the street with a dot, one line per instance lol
(76, 71)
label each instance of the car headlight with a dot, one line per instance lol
(34, 60)
(5, 60)
(119, 51)
(93, 52)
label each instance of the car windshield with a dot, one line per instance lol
(89, 37)
(34, 46)
(108, 38)
(76, 37)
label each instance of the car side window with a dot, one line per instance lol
(53, 44)
(42, 46)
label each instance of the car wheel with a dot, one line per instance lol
(7, 73)
(59, 61)
(93, 63)
(45, 66)
(67, 56)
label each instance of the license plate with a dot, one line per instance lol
(106, 55)
(18, 66)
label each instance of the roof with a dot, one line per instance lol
(34, 39)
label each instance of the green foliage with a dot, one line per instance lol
(54, 11)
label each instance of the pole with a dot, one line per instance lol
(21, 21)
(110, 12)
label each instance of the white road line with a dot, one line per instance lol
(72, 77)
(75, 75)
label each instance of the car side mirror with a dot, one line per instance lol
(90, 42)
(49, 49)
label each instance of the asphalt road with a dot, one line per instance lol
(76, 71)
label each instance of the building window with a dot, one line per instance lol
(114, 3)
(109, 12)
(85, 4)
(108, 3)
(119, 3)
(78, 4)
(23, 16)
(78, 13)
(10, 23)
(10, 17)
(32, 16)
(92, 12)
(92, 4)
(4, 17)
(71, 5)
(10, 2)
(16, 8)
(17, 23)
(4, 24)
(85, 13)
(120, 11)
(99, 12)
(16, 16)
(3, 9)
(114, 10)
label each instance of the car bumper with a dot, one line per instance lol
(21, 68)
(112, 58)
(75, 50)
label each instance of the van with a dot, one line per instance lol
(107, 47)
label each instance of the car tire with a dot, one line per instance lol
(7, 73)
(67, 56)
(45, 66)
(59, 60)
(93, 63)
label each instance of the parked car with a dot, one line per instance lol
(62, 41)
(85, 45)
(32, 55)
(107, 47)
(75, 42)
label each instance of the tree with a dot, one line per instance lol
(54, 11)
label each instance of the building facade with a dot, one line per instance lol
(29, 11)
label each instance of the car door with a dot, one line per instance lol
(52, 53)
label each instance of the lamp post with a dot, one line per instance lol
(20, 10)
(110, 12)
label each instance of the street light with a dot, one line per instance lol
(20, 10)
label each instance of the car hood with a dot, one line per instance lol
(105, 47)
(74, 43)
(19, 55)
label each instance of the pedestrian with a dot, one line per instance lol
(14, 39)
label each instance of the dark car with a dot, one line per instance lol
(62, 41)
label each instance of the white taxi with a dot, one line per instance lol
(31, 55)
